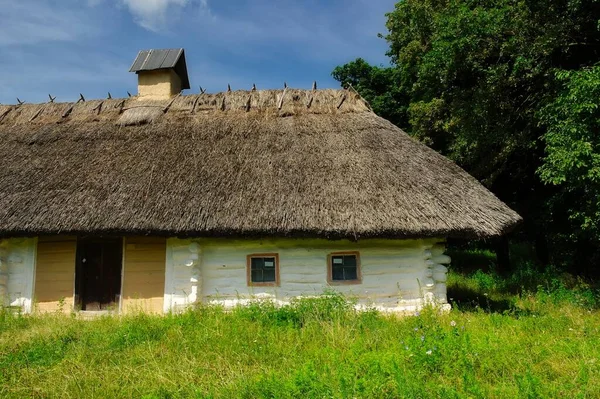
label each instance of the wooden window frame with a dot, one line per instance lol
(330, 279)
(249, 281)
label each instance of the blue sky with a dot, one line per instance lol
(65, 47)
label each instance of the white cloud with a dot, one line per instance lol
(153, 14)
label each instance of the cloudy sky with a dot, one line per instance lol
(65, 47)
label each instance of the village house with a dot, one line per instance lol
(159, 201)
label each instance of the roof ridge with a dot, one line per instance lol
(203, 91)
(139, 110)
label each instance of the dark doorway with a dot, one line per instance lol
(98, 273)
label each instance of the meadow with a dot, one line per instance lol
(533, 334)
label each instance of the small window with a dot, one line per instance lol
(263, 270)
(344, 268)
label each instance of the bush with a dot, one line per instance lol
(328, 307)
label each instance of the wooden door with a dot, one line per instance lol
(98, 274)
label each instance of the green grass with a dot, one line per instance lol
(501, 340)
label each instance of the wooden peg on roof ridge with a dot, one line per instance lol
(310, 101)
(121, 105)
(2, 115)
(51, 98)
(228, 88)
(280, 105)
(68, 112)
(342, 99)
(253, 86)
(171, 103)
(314, 87)
(109, 96)
(81, 98)
(196, 103)
(202, 90)
(20, 102)
(351, 88)
(36, 114)
(285, 85)
(98, 107)
(129, 94)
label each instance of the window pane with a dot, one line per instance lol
(258, 263)
(269, 275)
(337, 273)
(350, 260)
(337, 260)
(350, 273)
(257, 275)
(269, 262)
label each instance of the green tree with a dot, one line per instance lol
(379, 86)
(572, 139)
(473, 77)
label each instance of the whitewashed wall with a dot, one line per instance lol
(17, 272)
(397, 275)
(182, 274)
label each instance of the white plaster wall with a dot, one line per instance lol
(17, 272)
(182, 274)
(397, 275)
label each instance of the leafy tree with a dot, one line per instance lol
(572, 141)
(379, 86)
(481, 82)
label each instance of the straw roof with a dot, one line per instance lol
(261, 163)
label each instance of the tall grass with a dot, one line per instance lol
(546, 343)
(475, 283)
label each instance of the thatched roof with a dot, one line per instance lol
(317, 164)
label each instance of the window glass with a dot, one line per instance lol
(262, 269)
(344, 267)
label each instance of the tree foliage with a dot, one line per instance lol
(507, 89)
(572, 139)
(379, 86)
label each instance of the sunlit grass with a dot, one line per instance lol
(541, 343)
